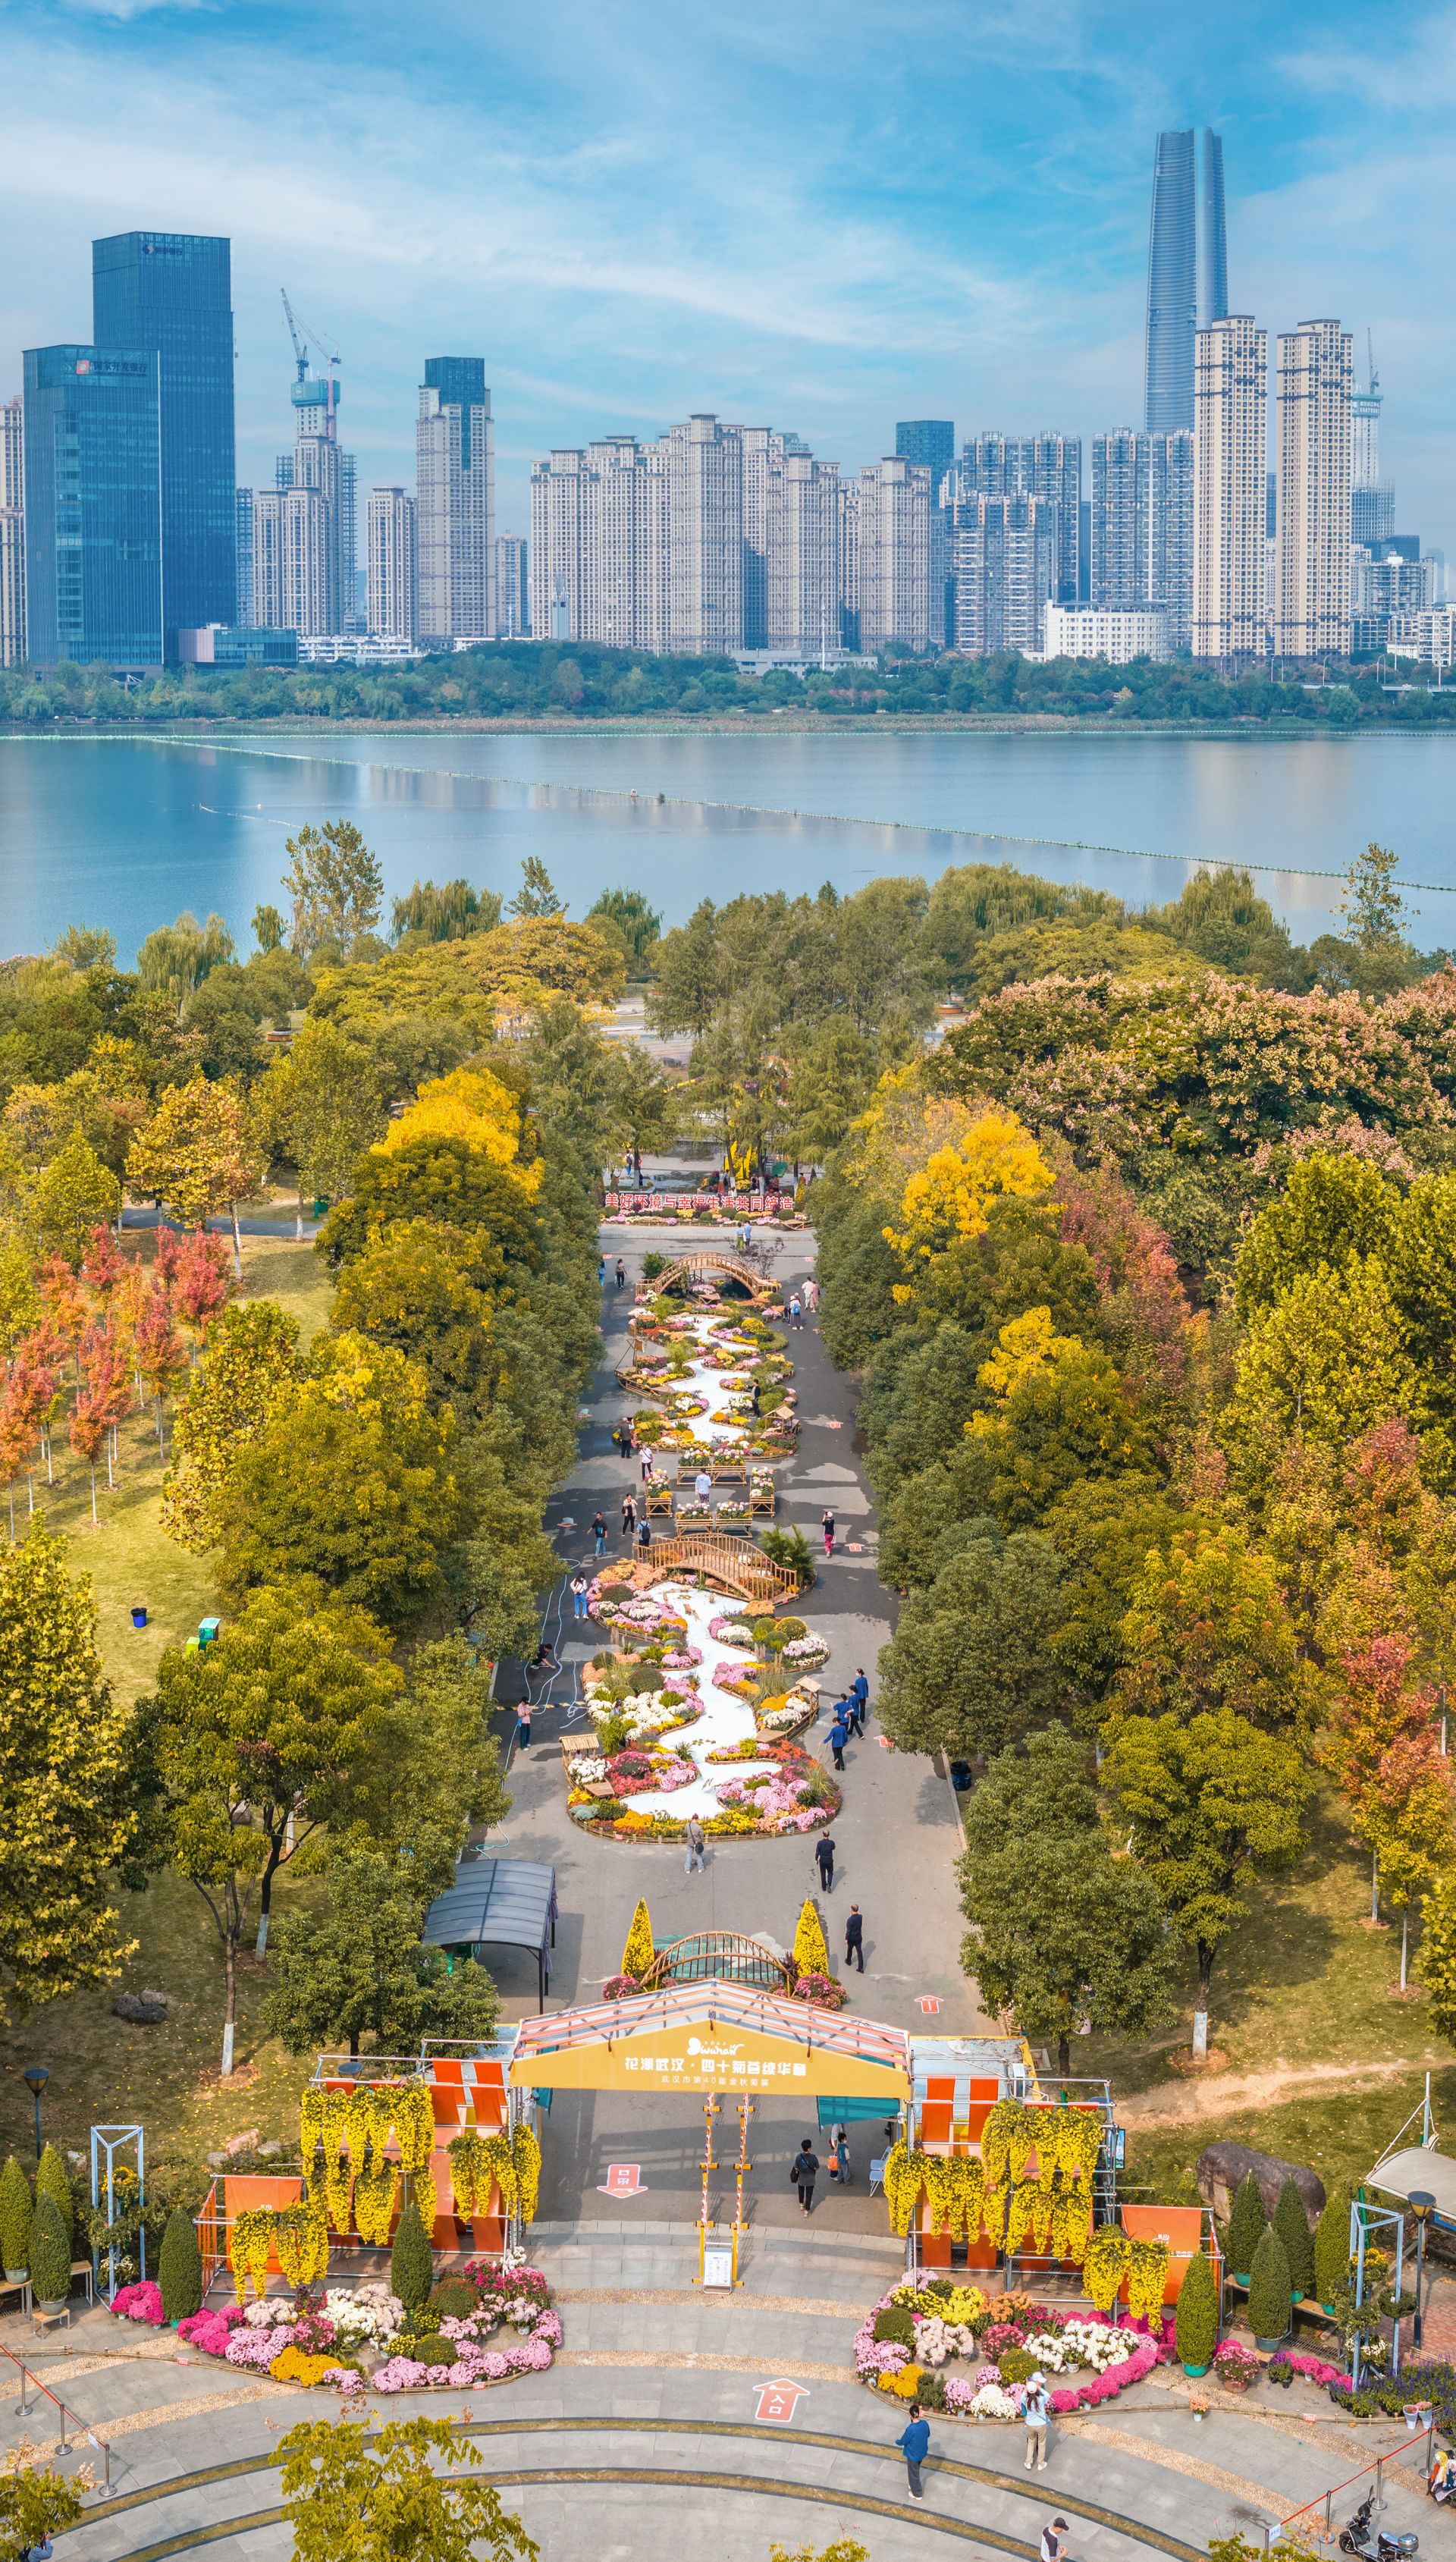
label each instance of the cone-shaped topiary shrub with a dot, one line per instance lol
(50, 2254)
(1293, 2228)
(1268, 2311)
(810, 1956)
(1197, 2312)
(179, 2267)
(411, 2262)
(15, 2218)
(636, 1956)
(1246, 2222)
(1332, 2247)
(52, 2182)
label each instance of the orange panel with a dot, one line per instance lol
(985, 2088)
(240, 2191)
(935, 2250)
(1181, 2227)
(935, 2122)
(448, 2069)
(941, 2086)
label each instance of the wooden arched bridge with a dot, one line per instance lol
(730, 1563)
(710, 1263)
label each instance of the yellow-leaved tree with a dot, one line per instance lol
(811, 1950)
(945, 1201)
(637, 1955)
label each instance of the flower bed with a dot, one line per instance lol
(776, 1805)
(631, 1773)
(141, 2304)
(334, 2339)
(991, 2349)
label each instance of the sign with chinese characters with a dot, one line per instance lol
(779, 2401)
(727, 2057)
(717, 2266)
(624, 2179)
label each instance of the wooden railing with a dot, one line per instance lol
(707, 1260)
(743, 1570)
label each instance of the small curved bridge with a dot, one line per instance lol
(730, 1563)
(709, 1956)
(710, 1263)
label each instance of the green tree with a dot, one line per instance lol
(374, 2493)
(251, 1361)
(431, 1773)
(1332, 2247)
(52, 2181)
(436, 1179)
(35, 2503)
(320, 1105)
(435, 914)
(350, 1480)
(1332, 1207)
(1210, 1630)
(1269, 2290)
(50, 2254)
(17, 2213)
(1069, 1418)
(1110, 1533)
(1420, 1265)
(179, 2267)
(1197, 2315)
(1327, 1360)
(337, 889)
(1373, 910)
(175, 958)
(1065, 1938)
(65, 1754)
(1211, 1802)
(969, 1668)
(1246, 2222)
(411, 2261)
(636, 919)
(268, 928)
(69, 1197)
(255, 1738)
(1292, 2225)
(536, 896)
(413, 1287)
(353, 1967)
(645, 1103)
(198, 1155)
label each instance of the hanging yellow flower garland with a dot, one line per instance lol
(525, 2154)
(250, 2243)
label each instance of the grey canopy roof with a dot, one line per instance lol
(496, 1903)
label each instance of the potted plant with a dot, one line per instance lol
(1269, 2292)
(179, 2267)
(50, 2257)
(1292, 2225)
(1235, 2368)
(1246, 2222)
(15, 2223)
(1332, 2250)
(1198, 2315)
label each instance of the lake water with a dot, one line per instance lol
(125, 830)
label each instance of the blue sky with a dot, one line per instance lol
(810, 216)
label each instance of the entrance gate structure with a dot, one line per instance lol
(718, 2040)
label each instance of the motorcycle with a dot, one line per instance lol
(1370, 2543)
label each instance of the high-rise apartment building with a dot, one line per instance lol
(803, 557)
(243, 535)
(706, 546)
(170, 292)
(512, 587)
(455, 462)
(849, 563)
(1310, 605)
(1046, 467)
(598, 553)
(929, 442)
(12, 533)
(1005, 555)
(312, 547)
(1141, 527)
(391, 571)
(1230, 436)
(895, 557)
(1174, 299)
(93, 507)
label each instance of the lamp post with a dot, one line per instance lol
(34, 2078)
(1422, 2206)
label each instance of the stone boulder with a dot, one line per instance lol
(1223, 2167)
(144, 2010)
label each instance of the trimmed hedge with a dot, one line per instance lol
(1269, 2289)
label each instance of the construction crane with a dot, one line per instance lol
(301, 351)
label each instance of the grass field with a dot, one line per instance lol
(103, 2069)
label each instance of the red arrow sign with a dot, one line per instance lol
(779, 2401)
(624, 2179)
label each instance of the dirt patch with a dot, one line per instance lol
(1222, 2095)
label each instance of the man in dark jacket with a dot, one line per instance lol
(823, 1852)
(914, 2444)
(854, 1938)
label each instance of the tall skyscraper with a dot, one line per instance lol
(1212, 233)
(512, 587)
(705, 548)
(243, 528)
(171, 293)
(1172, 287)
(455, 462)
(392, 569)
(929, 442)
(93, 507)
(1228, 489)
(1371, 499)
(803, 557)
(1046, 467)
(12, 533)
(1142, 526)
(895, 557)
(1310, 599)
(1005, 553)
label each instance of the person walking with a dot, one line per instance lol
(859, 1693)
(914, 2444)
(803, 2172)
(579, 1590)
(838, 1738)
(854, 1938)
(601, 1271)
(599, 1535)
(811, 1297)
(796, 1312)
(823, 1851)
(644, 1538)
(702, 1486)
(647, 1464)
(621, 1274)
(829, 1529)
(1036, 2412)
(523, 1726)
(1053, 2547)
(628, 1514)
(697, 1847)
(838, 2158)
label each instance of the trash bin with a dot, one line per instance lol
(960, 1776)
(138, 1616)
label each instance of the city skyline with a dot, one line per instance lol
(885, 252)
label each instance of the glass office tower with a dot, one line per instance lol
(92, 513)
(171, 293)
(931, 441)
(1172, 291)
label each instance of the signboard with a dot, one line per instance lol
(726, 2056)
(779, 2401)
(717, 2266)
(738, 1203)
(624, 2179)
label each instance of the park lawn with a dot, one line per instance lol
(105, 2071)
(1339, 2133)
(275, 1268)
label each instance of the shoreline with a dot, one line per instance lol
(752, 725)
